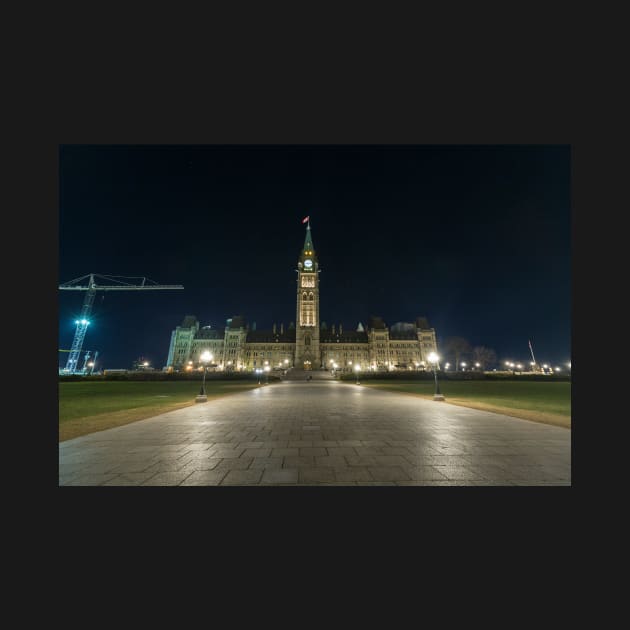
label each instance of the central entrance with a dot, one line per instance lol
(307, 365)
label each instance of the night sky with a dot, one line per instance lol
(475, 238)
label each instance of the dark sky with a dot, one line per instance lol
(475, 238)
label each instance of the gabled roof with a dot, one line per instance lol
(237, 321)
(189, 321)
(376, 322)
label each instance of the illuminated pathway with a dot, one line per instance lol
(321, 432)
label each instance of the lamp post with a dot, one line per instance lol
(205, 358)
(357, 369)
(267, 368)
(258, 371)
(433, 359)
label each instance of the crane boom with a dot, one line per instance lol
(91, 288)
(99, 287)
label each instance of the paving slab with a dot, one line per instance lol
(321, 433)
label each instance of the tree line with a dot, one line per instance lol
(459, 349)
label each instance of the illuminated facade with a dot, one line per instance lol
(307, 343)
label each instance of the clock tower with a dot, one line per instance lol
(307, 353)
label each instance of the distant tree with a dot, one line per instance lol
(485, 356)
(457, 347)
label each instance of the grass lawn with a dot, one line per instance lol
(539, 401)
(85, 407)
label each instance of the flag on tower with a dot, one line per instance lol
(305, 219)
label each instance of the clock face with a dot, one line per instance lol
(308, 263)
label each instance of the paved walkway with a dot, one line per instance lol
(323, 433)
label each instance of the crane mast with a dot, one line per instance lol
(91, 288)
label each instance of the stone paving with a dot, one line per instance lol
(320, 433)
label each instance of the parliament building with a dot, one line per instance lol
(306, 344)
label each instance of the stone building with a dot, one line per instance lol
(306, 344)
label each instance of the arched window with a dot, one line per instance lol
(307, 340)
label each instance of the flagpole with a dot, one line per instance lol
(532, 351)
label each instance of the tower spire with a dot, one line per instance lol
(308, 241)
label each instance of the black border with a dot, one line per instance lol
(356, 109)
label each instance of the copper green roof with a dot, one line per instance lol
(308, 241)
(267, 336)
(347, 336)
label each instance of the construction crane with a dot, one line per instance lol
(91, 287)
(85, 361)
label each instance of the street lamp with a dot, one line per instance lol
(267, 368)
(357, 368)
(463, 364)
(205, 358)
(433, 359)
(258, 371)
(477, 365)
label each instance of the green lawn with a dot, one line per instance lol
(545, 402)
(85, 407)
